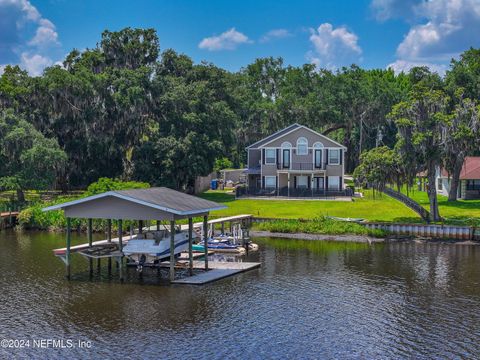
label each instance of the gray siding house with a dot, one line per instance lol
(296, 161)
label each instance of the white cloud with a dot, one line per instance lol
(452, 26)
(34, 63)
(405, 66)
(390, 9)
(26, 38)
(45, 35)
(275, 34)
(333, 48)
(439, 29)
(229, 40)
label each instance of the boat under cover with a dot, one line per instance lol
(144, 251)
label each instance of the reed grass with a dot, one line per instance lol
(320, 225)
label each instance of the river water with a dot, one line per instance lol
(308, 300)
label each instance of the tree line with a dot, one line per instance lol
(125, 109)
(438, 125)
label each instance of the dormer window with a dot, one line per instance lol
(302, 146)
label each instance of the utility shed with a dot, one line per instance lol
(138, 204)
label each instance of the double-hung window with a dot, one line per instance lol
(334, 157)
(270, 156)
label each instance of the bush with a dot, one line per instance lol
(321, 225)
(107, 184)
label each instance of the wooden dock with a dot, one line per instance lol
(218, 270)
(8, 214)
(8, 219)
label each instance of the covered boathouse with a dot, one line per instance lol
(161, 204)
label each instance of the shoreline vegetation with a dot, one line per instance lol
(318, 226)
(305, 217)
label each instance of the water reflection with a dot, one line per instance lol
(309, 300)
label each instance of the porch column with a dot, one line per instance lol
(190, 244)
(311, 183)
(205, 240)
(288, 185)
(67, 252)
(172, 250)
(278, 183)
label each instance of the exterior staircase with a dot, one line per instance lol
(420, 210)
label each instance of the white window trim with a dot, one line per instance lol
(330, 157)
(304, 142)
(337, 186)
(275, 157)
(274, 181)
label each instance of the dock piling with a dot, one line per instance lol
(172, 250)
(109, 240)
(190, 245)
(120, 247)
(205, 239)
(67, 253)
(90, 238)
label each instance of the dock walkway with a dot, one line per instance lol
(218, 270)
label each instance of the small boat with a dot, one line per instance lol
(153, 247)
(346, 219)
(220, 247)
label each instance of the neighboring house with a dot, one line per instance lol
(469, 187)
(296, 161)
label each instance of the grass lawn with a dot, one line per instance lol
(383, 208)
(460, 211)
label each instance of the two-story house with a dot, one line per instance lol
(295, 161)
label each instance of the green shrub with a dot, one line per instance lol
(106, 184)
(321, 225)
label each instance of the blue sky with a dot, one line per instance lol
(231, 34)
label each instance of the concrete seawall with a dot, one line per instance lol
(453, 232)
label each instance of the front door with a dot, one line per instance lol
(318, 183)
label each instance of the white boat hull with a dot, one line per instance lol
(149, 251)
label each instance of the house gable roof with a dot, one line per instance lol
(273, 136)
(470, 169)
(286, 131)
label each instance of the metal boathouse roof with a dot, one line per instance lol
(159, 203)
